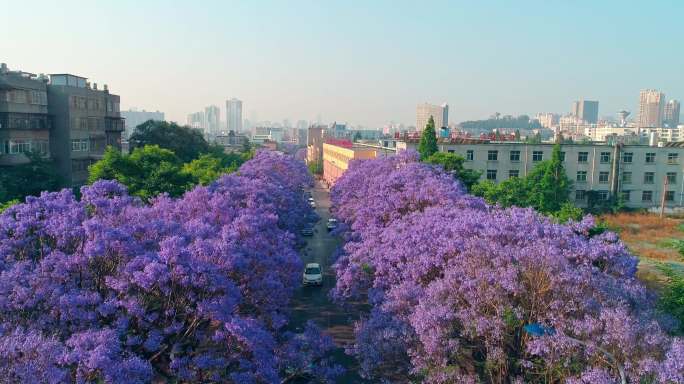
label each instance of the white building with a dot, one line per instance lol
(651, 106)
(234, 115)
(212, 114)
(548, 120)
(440, 113)
(638, 173)
(134, 118)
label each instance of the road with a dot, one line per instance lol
(313, 303)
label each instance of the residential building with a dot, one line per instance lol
(440, 114)
(314, 144)
(337, 130)
(671, 114)
(232, 142)
(197, 121)
(548, 120)
(586, 111)
(24, 121)
(212, 115)
(234, 115)
(86, 120)
(133, 118)
(337, 154)
(651, 105)
(637, 173)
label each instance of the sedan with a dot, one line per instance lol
(312, 275)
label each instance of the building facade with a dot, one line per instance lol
(133, 118)
(671, 114)
(24, 121)
(314, 144)
(651, 105)
(338, 154)
(440, 114)
(234, 115)
(639, 174)
(586, 111)
(548, 120)
(196, 120)
(86, 120)
(212, 115)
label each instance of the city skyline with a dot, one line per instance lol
(486, 58)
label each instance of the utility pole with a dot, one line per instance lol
(662, 198)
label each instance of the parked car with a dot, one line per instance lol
(332, 224)
(312, 204)
(312, 274)
(307, 232)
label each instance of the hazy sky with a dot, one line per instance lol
(365, 62)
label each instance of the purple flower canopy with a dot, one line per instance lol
(452, 283)
(106, 288)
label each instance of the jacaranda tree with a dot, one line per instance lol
(453, 283)
(111, 289)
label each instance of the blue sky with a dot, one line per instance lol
(365, 62)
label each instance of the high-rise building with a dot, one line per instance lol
(440, 113)
(196, 120)
(212, 115)
(234, 115)
(671, 115)
(134, 118)
(651, 105)
(548, 120)
(586, 110)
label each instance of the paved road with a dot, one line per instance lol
(313, 303)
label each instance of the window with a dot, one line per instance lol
(605, 157)
(647, 196)
(672, 178)
(451, 151)
(582, 176)
(602, 195)
(627, 157)
(19, 146)
(79, 145)
(582, 157)
(513, 173)
(669, 195)
(562, 156)
(491, 174)
(603, 177)
(515, 155)
(470, 155)
(627, 177)
(625, 195)
(537, 155)
(84, 145)
(492, 155)
(673, 158)
(580, 194)
(650, 157)
(649, 177)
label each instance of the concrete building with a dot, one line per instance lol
(232, 142)
(548, 120)
(212, 115)
(133, 118)
(671, 114)
(24, 121)
(586, 111)
(314, 144)
(234, 115)
(86, 120)
(440, 113)
(640, 174)
(337, 154)
(651, 105)
(197, 121)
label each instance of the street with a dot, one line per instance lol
(313, 303)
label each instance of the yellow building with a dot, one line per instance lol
(336, 158)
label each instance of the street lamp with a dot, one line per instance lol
(538, 330)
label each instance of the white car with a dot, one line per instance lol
(332, 224)
(312, 204)
(312, 274)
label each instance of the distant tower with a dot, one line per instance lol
(651, 105)
(622, 116)
(234, 115)
(671, 116)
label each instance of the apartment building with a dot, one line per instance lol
(439, 113)
(640, 174)
(85, 121)
(337, 154)
(133, 118)
(24, 121)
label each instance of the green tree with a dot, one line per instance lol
(671, 300)
(315, 168)
(147, 172)
(548, 185)
(453, 163)
(207, 168)
(29, 179)
(510, 192)
(357, 136)
(7, 204)
(428, 141)
(185, 142)
(568, 212)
